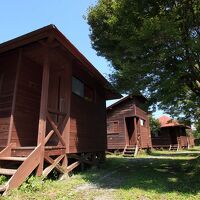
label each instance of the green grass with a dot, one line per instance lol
(161, 175)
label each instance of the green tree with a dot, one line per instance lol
(154, 126)
(154, 47)
(196, 132)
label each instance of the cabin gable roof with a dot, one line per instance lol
(51, 32)
(166, 121)
(125, 100)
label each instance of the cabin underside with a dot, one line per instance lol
(39, 126)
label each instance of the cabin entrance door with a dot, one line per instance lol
(173, 135)
(130, 129)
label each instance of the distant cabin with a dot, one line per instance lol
(128, 125)
(52, 107)
(172, 135)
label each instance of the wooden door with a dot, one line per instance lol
(130, 128)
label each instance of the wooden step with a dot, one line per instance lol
(25, 151)
(129, 152)
(130, 149)
(13, 158)
(21, 152)
(132, 146)
(5, 171)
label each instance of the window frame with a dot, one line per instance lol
(93, 99)
(113, 131)
(142, 122)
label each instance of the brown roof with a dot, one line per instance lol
(51, 30)
(166, 121)
(124, 99)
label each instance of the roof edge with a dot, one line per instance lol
(46, 32)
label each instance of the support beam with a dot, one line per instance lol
(14, 95)
(57, 166)
(52, 166)
(53, 125)
(135, 128)
(43, 109)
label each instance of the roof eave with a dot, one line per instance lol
(52, 30)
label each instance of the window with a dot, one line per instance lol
(142, 122)
(82, 90)
(77, 87)
(113, 127)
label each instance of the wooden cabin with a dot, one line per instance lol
(128, 125)
(172, 135)
(52, 107)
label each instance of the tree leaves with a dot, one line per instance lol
(154, 48)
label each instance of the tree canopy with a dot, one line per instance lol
(154, 48)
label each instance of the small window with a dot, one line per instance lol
(82, 90)
(142, 122)
(113, 127)
(77, 87)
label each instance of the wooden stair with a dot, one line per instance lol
(9, 172)
(174, 147)
(130, 150)
(17, 167)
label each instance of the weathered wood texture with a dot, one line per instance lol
(41, 119)
(128, 133)
(88, 118)
(7, 81)
(27, 107)
(173, 136)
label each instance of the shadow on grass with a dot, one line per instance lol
(161, 175)
(176, 154)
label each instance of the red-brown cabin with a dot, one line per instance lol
(52, 106)
(128, 125)
(172, 135)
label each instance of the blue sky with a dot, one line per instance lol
(22, 16)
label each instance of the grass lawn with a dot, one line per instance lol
(162, 175)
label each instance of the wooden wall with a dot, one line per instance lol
(26, 116)
(87, 119)
(117, 140)
(58, 98)
(7, 80)
(128, 108)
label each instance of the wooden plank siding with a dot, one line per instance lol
(87, 118)
(52, 107)
(7, 80)
(128, 108)
(81, 123)
(173, 135)
(27, 107)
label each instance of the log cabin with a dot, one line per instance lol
(128, 125)
(52, 107)
(173, 135)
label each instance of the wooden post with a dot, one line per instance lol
(14, 96)
(65, 128)
(138, 133)
(135, 128)
(43, 109)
